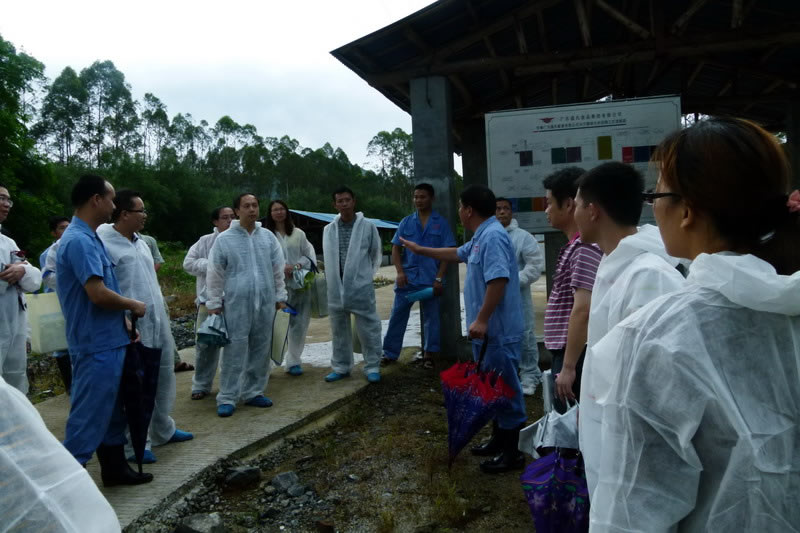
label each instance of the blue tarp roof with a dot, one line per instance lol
(328, 217)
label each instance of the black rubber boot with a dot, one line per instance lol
(114, 469)
(510, 458)
(491, 447)
(65, 368)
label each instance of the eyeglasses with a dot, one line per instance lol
(6, 200)
(143, 211)
(649, 197)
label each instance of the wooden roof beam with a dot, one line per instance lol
(542, 32)
(681, 23)
(768, 89)
(521, 41)
(695, 72)
(587, 58)
(737, 13)
(583, 23)
(622, 19)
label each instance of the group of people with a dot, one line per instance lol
(687, 385)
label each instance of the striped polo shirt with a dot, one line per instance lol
(575, 269)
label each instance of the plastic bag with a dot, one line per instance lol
(213, 331)
(553, 430)
(319, 293)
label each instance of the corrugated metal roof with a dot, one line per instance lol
(328, 217)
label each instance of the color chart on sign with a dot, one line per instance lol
(524, 146)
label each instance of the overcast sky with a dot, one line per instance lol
(265, 63)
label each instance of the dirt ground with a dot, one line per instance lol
(382, 466)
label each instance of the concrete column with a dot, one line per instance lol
(473, 157)
(431, 125)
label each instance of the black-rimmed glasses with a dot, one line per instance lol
(143, 211)
(649, 197)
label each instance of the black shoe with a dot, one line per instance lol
(114, 469)
(65, 369)
(491, 447)
(510, 458)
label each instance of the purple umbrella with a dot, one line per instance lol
(472, 397)
(557, 494)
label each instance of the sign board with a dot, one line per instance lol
(525, 146)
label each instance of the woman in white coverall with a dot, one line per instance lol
(698, 391)
(298, 253)
(16, 276)
(44, 487)
(245, 269)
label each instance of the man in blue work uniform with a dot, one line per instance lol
(96, 334)
(415, 272)
(494, 311)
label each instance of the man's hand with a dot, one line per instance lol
(280, 305)
(401, 280)
(438, 288)
(13, 273)
(288, 269)
(215, 311)
(138, 308)
(411, 246)
(477, 330)
(564, 383)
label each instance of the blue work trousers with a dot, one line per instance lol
(96, 416)
(398, 321)
(504, 359)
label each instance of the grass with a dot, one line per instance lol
(176, 284)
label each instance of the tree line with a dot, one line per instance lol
(85, 121)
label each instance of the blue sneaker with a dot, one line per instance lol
(335, 376)
(374, 377)
(295, 370)
(180, 436)
(147, 459)
(225, 409)
(259, 401)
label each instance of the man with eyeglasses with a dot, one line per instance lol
(634, 271)
(133, 266)
(16, 277)
(196, 264)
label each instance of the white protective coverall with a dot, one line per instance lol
(44, 487)
(13, 318)
(136, 275)
(700, 405)
(355, 293)
(206, 356)
(530, 262)
(50, 266)
(247, 268)
(634, 274)
(297, 250)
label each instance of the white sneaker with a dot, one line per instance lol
(528, 390)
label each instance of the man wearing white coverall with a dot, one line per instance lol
(16, 276)
(196, 264)
(530, 262)
(44, 487)
(245, 283)
(136, 275)
(352, 250)
(635, 270)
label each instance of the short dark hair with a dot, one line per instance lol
(217, 210)
(87, 186)
(238, 200)
(123, 201)
(503, 199)
(270, 223)
(563, 184)
(617, 188)
(344, 189)
(480, 198)
(53, 222)
(425, 187)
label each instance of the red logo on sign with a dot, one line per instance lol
(547, 120)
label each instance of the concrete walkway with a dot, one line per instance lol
(298, 402)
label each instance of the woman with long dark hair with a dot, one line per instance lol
(700, 390)
(299, 254)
